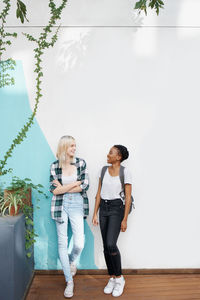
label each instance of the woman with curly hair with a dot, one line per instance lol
(113, 213)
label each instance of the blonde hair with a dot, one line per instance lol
(63, 144)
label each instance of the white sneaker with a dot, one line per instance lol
(119, 286)
(110, 286)
(68, 293)
(73, 268)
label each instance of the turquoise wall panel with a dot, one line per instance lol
(32, 159)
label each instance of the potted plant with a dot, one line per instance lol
(17, 236)
(10, 204)
(15, 199)
(23, 188)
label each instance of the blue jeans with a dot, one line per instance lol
(72, 211)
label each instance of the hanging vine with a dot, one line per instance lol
(9, 64)
(153, 4)
(43, 42)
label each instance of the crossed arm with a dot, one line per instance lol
(73, 187)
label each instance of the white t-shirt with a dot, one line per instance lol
(111, 186)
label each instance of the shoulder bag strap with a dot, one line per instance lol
(121, 176)
(103, 171)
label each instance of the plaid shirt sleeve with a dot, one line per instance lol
(84, 177)
(53, 176)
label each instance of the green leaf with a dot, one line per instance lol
(138, 5)
(17, 13)
(27, 179)
(40, 185)
(21, 17)
(28, 254)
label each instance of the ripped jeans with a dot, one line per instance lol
(72, 211)
(110, 217)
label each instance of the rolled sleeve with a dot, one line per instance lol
(84, 177)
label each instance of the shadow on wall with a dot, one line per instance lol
(32, 159)
(75, 42)
(73, 47)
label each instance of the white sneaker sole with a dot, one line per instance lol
(69, 296)
(107, 293)
(117, 295)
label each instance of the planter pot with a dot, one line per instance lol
(16, 269)
(26, 200)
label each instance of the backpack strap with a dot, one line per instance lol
(103, 171)
(121, 176)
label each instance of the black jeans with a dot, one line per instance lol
(110, 217)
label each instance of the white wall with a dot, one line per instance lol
(138, 86)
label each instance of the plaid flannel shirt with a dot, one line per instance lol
(57, 200)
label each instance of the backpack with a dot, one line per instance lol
(122, 194)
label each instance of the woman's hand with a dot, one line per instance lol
(95, 220)
(123, 225)
(56, 183)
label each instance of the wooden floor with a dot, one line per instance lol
(138, 287)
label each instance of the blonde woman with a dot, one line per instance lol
(69, 183)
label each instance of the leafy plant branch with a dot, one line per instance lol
(21, 11)
(9, 64)
(3, 34)
(43, 42)
(153, 4)
(30, 234)
(5, 78)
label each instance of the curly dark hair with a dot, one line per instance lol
(123, 151)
